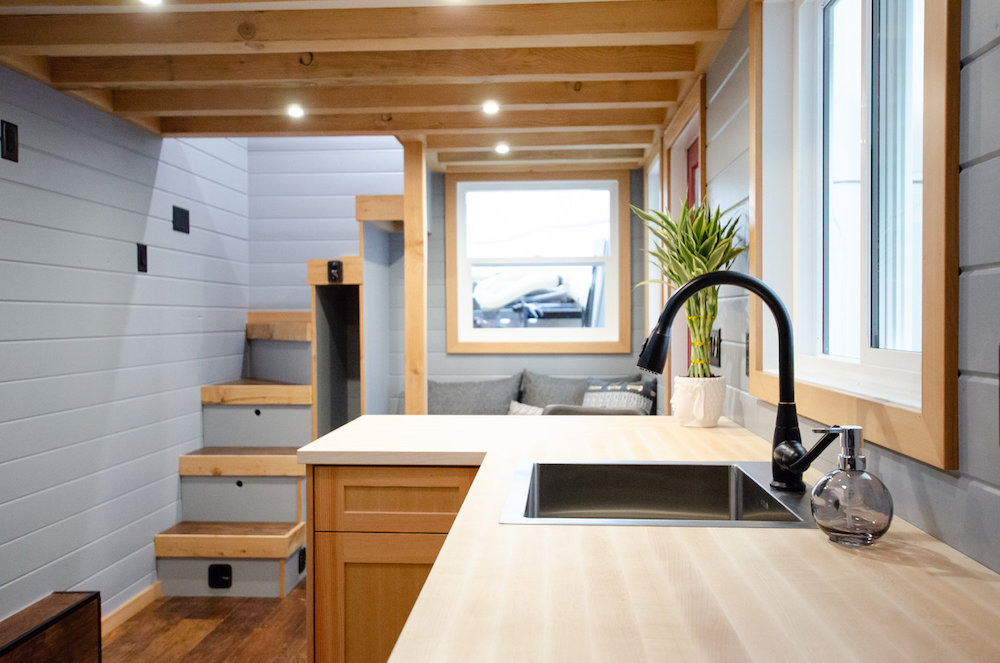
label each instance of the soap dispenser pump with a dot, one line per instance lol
(851, 505)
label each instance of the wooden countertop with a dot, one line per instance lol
(511, 593)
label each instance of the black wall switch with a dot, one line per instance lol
(141, 254)
(8, 140)
(715, 348)
(182, 220)
(220, 576)
(334, 271)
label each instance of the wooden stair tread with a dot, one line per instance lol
(254, 391)
(245, 451)
(242, 461)
(273, 540)
(280, 325)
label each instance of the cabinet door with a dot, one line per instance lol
(388, 498)
(364, 587)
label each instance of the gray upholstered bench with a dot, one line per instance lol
(529, 393)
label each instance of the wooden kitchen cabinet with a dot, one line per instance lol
(375, 532)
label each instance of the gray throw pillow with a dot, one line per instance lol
(479, 397)
(541, 390)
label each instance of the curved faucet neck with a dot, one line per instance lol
(786, 429)
(786, 351)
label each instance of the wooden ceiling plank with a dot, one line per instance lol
(540, 155)
(392, 123)
(380, 28)
(541, 139)
(471, 66)
(382, 98)
(541, 166)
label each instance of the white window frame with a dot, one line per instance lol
(888, 375)
(613, 337)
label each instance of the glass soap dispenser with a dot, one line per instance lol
(851, 505)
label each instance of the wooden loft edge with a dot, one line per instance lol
(256, 392)
(384, 211)
(261, 540)
(279, 325)
(316, 271)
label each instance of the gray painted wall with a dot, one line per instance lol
(961, 508)
(100, 366)
(302, 206)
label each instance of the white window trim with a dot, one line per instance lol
(888, 375)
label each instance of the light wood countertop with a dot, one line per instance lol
(511, 593)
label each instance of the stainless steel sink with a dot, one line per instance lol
(651, 494)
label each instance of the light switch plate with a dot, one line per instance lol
(182, 220)
(8, 140)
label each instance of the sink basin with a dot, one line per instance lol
(651, 494)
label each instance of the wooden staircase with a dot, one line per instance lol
(242, 494)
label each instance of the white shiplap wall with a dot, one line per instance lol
(100, 366)
(302, 206)
(960, 508)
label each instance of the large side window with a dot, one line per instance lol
(858, 301)
(538, 265)
(859, 235)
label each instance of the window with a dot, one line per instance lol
(538, 264)
(858, 300)
(854, 149)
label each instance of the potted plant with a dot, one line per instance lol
(697, 242)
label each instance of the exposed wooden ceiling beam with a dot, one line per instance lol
(582, 83)
(539, 166)
(491, 156)
(395, 123)
(541, 139)
(382, 28)
(394, 67)
(394, 98)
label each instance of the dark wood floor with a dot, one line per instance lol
(213, 630)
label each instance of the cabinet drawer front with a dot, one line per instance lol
(389, 499)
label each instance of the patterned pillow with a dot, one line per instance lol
(517, 407)
(618, 395)
(540, 390)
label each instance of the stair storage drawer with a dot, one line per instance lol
(249, 425)
(388, 498)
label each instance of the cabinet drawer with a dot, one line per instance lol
(388, 498)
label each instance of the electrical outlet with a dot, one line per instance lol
(142, 261)
(182, 220)
(334, 271)
(8, 140)
(715, 348)
(220, 576)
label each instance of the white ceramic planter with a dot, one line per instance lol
(698, 401)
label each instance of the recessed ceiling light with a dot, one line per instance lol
(491, 107)
(151, 3)
(296, 111)
(502, 148)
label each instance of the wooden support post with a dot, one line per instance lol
(415, 275)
